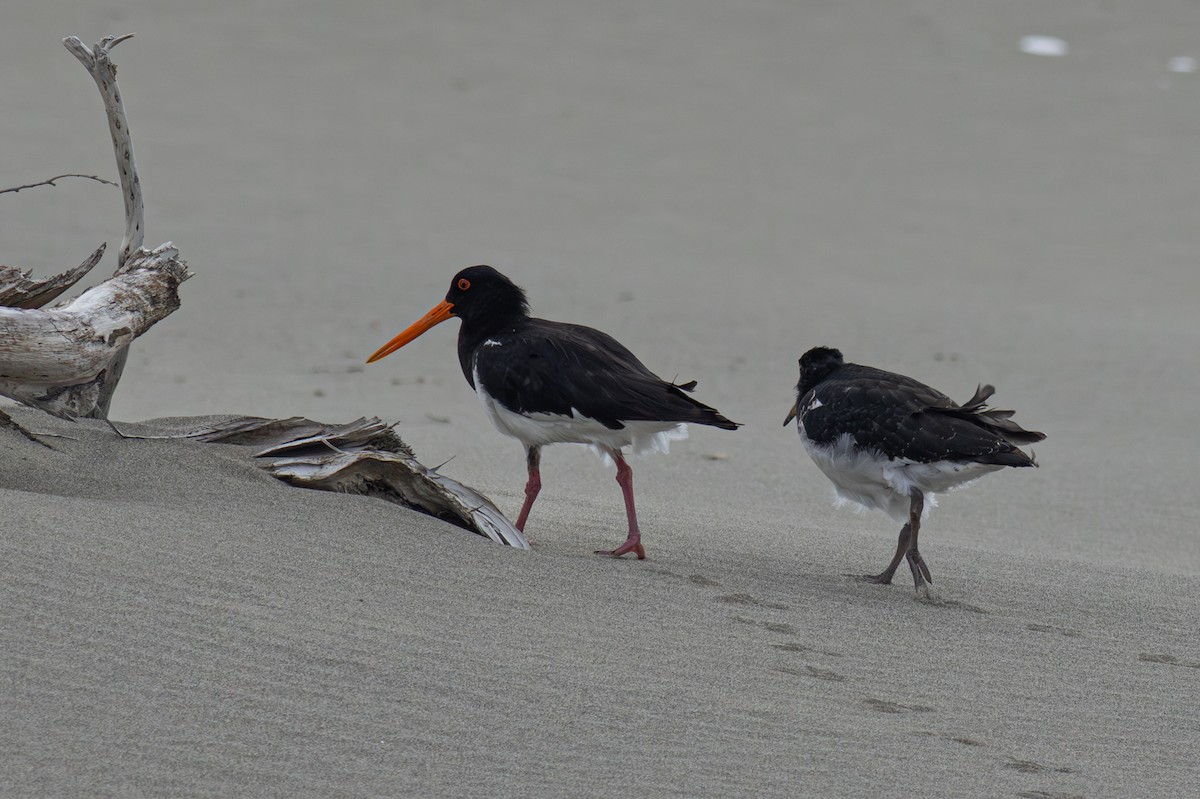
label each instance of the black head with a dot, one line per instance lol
(480, 296)
(480, 293)
(817, 364)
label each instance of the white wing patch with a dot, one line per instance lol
(491, 342)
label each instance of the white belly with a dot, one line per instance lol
(872, 480)
(539, 429)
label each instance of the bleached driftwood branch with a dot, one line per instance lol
(363, 457)
(61, 359)
(104, 73)
(19, 290)
(50, 182)
(96, 61)
(67, 360)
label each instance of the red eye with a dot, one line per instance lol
(463, 284)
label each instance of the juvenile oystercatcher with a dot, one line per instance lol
(547, 382)
(887, 442)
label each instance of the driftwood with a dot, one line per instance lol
(51, 182)
(67, 360)
(363, 457)
(104, 72)
(61, 359)
(18, 289)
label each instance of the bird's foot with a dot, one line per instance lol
(876, 579)
(925, 594)
(632, 544)
(920, 571)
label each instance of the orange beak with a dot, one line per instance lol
(439, 314)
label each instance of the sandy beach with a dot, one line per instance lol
(721, 187)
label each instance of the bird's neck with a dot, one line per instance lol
(474, 332)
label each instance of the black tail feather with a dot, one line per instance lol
(1013, 457)
(981, 396)
(700, 413)
(994, 420)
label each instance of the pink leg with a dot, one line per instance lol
(533, 460)
(634, 542)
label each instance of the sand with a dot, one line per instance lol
(721, 186)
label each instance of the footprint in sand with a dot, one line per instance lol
(792, 646)
(746, 599)
(888, 706)
(958, 739)
(780, 628)
(1170, 660)
(952, 604)
(1033, 767)
(812, 671)
(695, 579)
(1050, 628)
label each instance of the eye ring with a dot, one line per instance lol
(463, 284)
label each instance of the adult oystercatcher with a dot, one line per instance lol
(547, 382)
(888, 442)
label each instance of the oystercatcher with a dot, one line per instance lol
(888, 442)
(547, 382)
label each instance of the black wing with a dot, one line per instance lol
(904, 418)
(553, 367)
